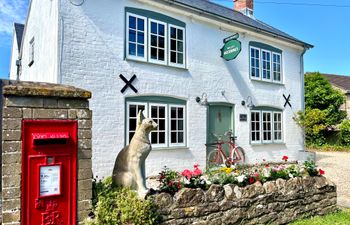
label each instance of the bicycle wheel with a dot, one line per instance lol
(215, 158)
(239, 156)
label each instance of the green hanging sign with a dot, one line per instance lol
(232, 47)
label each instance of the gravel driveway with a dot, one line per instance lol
(337, 167)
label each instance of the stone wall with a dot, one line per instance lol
(277, 202)
(25, 100)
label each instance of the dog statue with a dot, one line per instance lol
(129, 167)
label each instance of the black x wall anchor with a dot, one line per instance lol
(287, 101)
(128, 83)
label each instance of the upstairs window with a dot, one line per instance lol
(136, 36)
(265, 63)
(155, 38)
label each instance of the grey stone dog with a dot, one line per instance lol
(129, 167)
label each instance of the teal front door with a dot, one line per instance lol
(220, 120)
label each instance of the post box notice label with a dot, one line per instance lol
(50, 180)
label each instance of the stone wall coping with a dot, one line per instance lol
(40, 89)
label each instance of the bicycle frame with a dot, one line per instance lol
(233, 150)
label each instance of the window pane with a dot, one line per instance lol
(180, 46)
(180, 34)
(161, 54)
(132, 22)
(153, 28)
(132, 125)
(161, 124)
(173, 125)
(161, 29)
(132, 35)
(154, 138)
(140, 37)
(161, 137)
(172, 32)
(180, 125)
(161, 42)
(153, 40)
(140, 24)
(173, 45)
(140, 50)
(173, 137)
(132, 111)
(173, 57)
(153, 53)
(181, 137)
(132, 49)
(154, 112)
(162, 112)
(180, 58)
(131, 134)
(173, 112)
(180, 113)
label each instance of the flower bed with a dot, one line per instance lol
(259, 194)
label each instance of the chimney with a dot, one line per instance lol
(244, 6)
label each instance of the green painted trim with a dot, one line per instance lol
(267, 108)
(155, 16)
(264, 46)
(156, 99)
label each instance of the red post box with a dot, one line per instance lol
(49, 165)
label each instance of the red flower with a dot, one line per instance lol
(187, 174)
(285, 158)
(195, 165)
(251, 180)
(267, 165)
(321, 172)
(197, 172)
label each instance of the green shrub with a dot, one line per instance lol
(345, 132)
(121, 206)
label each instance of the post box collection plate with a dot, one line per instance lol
(49, 165)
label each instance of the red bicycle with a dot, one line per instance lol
(218, 156)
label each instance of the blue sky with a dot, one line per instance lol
(325, 27)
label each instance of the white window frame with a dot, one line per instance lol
(251, 129)
(165, 62)
(281, 69)
(166, 143)
(138, 58)
(273, 128)
(145, 113)
(262, 65)
(262, 127)
(184, 126)
(250, 63)
(183, 65)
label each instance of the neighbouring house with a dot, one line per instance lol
(341, 83)
(16, 47)
(195, 67)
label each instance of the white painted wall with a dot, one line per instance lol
(93, 57)
(14, 57)
(42, 24)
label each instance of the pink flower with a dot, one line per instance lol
(322, 172)
(285, 158)
(196, 165)
(187, 173)
(197, 172)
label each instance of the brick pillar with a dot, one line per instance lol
(27, 100)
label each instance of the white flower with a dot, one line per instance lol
(241, 178)
(291, 175)
(266, 172)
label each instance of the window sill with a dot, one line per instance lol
(158, 64)
(264, 144)
(171, 148)
(267, 82)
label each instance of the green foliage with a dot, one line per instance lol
(311, 168)
(322, 104)
(120, 206)
(345, 132)
(339, 218)
(169, 181)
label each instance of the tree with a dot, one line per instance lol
(322, 108)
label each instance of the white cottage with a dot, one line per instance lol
(171, 50)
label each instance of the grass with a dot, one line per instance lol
(329, 148)
(339, 218)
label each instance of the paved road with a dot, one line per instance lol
(337, 167)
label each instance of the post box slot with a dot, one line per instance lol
(55, 138)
